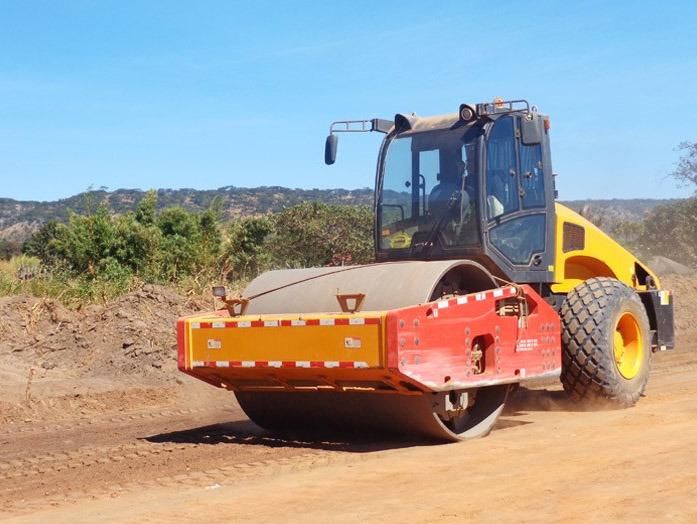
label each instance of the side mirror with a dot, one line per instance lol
(330, 149)
(531, 129)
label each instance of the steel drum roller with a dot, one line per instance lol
(385, 286)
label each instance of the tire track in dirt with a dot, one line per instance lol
(22, 481)
(53, 462)
(219, 453)
(71, 425)
(81, 458)
(225, 474)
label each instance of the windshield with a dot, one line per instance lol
(429, 190)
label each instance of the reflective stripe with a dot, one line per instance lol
(329, 364)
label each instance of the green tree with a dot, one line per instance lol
(181, 242)
(9, 249)
(137, 246)
(86, 241)
(671, 230)
(155, 247)
(315, 234)
(174, 244)
(629, 233)
(211, 238)
(146, 210)
(42, 244)
(246, 254)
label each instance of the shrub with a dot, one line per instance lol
(316, 234)
(246, 253)
(672, 229)
(96, 255)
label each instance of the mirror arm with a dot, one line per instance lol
(361, 126)
(352, 126)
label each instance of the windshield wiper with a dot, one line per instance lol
(428, 242)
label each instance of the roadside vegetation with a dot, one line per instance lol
(668, 230)
(96, 255)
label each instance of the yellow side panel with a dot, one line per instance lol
(600, 256)
(280, 338)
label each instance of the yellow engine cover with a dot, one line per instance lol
(583, 251)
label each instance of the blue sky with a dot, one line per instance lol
(209, 94)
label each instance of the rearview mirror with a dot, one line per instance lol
(330, 149)
(531, 129)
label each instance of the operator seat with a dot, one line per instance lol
(440, 195)
(496, 192)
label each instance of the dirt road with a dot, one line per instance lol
(543, 462)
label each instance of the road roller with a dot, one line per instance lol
(481, 281)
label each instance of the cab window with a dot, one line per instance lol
(501, 180)
(532, 187)
(429, 190)
(429, 167)
(397, 196)
(521, 238)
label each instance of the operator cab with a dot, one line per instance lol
(476, 184)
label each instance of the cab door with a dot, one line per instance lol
(518, 205)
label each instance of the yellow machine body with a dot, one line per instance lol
(584, 251)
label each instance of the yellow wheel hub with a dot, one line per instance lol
(628, 344)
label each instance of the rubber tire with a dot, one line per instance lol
(589, 315)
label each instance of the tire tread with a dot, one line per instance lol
(588, 368)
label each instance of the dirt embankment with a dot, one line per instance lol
(54, 358)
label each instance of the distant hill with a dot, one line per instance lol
(610, 212)
(629, 207)
(18, 219)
